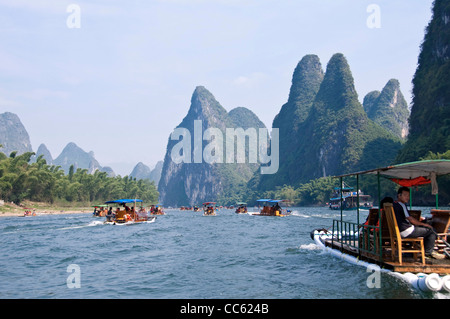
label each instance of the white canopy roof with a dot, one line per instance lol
(429, 169)
(410, 170)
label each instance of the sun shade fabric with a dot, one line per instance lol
(412, 182)
(123, 201)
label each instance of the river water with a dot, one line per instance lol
(181, 255)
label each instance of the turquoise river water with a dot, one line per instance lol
(182, 255)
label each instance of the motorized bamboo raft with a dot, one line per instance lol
(377, 241)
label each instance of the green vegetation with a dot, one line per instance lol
(388, 108)
(333, 135)
(194, 183)
(314, 192)
(430, 113)
(324, 131)
(20, 180)
(291, 121)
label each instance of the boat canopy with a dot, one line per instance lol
(209, 203)
(410, 170)
(263, 200)
(428, 169)
(241, 203)
(123, 201)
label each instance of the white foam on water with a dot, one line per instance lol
(95, 223)
(92, 223)
(298, 214)
(310, 247)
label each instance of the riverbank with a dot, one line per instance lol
(11, 209)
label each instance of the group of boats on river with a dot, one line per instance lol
(130, 211)
(375, 242)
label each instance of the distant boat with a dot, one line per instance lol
(242, 208)
(28, 213)
(156, 210)
(271, 207)
(209, 209)
(100, 210)
(127, 215)
(349, 199)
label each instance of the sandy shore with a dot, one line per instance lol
(14, 210)
(45, 212)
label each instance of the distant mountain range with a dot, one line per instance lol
(142, 171)
(323, 130)
(14, 137)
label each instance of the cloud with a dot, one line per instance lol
(251, 80)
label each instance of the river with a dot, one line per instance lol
(181, 255)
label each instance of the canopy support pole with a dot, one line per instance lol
(437, 201)
(357, 198)
(380, 243)
(340, 179)
(410, 197)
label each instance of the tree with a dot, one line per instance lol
(20, 180)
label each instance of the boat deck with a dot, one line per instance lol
(441, 267)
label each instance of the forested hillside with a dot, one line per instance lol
(429, 123)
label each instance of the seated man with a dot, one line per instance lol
(410, 227)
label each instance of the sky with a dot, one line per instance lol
(116, 77)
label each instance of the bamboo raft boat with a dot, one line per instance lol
(367, 244)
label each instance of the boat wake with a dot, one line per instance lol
(149, 221)
(309, 247)
(92, 223)
(95, 223)
(421, 282)
(298, 214)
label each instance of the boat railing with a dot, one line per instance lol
(362, 240)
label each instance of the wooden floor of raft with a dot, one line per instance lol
(441, 267)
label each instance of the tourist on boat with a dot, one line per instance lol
(110, 215)
(277, 208)
(410, 227)
(209, 210)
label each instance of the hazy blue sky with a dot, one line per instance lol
(120, 83)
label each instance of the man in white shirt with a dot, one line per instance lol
(410, 227)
